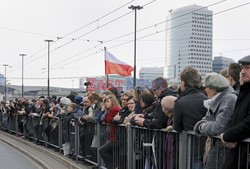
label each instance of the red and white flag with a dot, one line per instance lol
(115, 66)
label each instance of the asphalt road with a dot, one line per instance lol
(13, 159)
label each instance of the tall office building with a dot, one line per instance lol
(220, 63)
(188, 41)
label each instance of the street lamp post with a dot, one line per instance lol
(22, 72)
(5, 87)
(135, 8)
(48, 61)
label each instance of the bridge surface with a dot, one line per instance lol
(17, 153)
(11, 158)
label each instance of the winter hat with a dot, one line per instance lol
(65, 101)
(245, 60)
(78, 99)
(216, 81)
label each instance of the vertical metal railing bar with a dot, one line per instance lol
(45, 123)
(199, 147)
(60, 135)
(129, 147)
(76, 140)
(98, 145)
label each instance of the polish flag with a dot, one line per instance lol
(115, 66)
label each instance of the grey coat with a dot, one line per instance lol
(219, 114)
(216, 122)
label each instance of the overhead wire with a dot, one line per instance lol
(98, 19)
(64, 36)
(163, 31)
(113, 39)
(99, 40)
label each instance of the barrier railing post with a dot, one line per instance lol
(33, 128)
(45, 135)
(129, 147)
(16, 124)
(188, 151)
(60, 135)
(183, 150)
(98, 145)
(76, 139)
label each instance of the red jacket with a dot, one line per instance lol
(111, 114)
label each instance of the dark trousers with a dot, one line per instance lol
(38, 129)
(25, 126)
(106, 152)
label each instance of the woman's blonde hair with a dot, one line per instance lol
(114, 101)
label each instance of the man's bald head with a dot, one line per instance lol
(167, 104)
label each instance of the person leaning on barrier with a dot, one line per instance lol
(124, 112)
(220, 107)
(120, 142)
(189, 109)
(85, 130)
(148, 105)
(233, 76)
(131, 106)
(240, 124)
(25, 119)
(5, 116)
(36, 114)
(158, 119)
(66, 118)
(111, 108)
(51, 128)
(96, 104)
(102, 111)
(167, 104)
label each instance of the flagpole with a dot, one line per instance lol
(106, 75)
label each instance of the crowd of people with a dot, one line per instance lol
(219, 106)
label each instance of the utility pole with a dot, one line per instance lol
(135, 8)
(22, 71)
(5, 87)
(48, 61)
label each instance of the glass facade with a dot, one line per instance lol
(220, 63)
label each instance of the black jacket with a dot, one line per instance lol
(124, 112)
(240, 128)
(159, 119)
(189, 109)
(236, 87)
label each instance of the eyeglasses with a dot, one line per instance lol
(131, 103)
(156, 89)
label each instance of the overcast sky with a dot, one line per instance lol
(25, 24)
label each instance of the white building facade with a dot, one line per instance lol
(150, 73)
(188, 41)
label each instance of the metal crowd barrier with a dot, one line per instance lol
(134, 147)
(153, 148)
